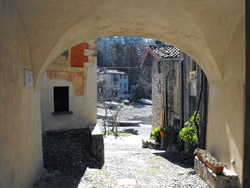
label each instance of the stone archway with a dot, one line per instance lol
(211, 32)
(175, 24)
(210, 44)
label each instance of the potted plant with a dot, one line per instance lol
(210, 161)
(162, 132)
(156, 134)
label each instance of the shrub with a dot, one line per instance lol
(189, 133)
(171, 135)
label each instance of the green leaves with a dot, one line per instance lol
(172, 134)
(189, 132)
(156, 133)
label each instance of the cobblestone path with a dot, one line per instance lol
(127, 165)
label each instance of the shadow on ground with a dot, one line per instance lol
(66, 156)
(138, 105)
(57, 179)
(183, 160)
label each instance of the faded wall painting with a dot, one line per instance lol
(76, 78)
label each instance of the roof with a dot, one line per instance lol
(112, 72)
(165, 51)
(159, 53)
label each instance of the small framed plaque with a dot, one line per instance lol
(28, 78)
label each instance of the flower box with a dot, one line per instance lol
(210, 161)
(216, 169)
(199, 157)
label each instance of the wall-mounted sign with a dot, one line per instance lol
(28, 78)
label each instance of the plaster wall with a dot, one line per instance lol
(55, 26)
(84, 107)
(107, 78)
(225, 131)
(20, 123)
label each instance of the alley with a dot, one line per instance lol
(127, 164)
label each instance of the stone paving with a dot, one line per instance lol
(128, 165)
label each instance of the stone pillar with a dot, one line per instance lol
(97, 143)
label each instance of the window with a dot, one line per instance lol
(120, 76)
(124, 85)
(159, 86)
(120, 85)
(115, 79)
(159, 67)
(61, 99)
(193, 66)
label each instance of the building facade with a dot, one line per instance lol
(176, 86)
(115, 83)
(67, 90)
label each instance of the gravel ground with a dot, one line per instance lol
(135, 111)
(128, 165)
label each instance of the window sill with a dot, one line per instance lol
(61, 113)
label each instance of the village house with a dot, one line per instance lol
(69, 109)
(67, 91)
(176, 83)
(115, 83)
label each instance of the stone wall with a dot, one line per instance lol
(191, 87)
(156, 96)
(69, 151)
(170, 91)
(164, 88)
(171, 69)
(226, 180)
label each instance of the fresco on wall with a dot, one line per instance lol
(76, 78)
(77, 55)
(65, 54)
(61, 60)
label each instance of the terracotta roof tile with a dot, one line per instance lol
(166, 51)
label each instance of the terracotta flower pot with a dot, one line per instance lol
(216, 169)
(199, 157)
(162, 134)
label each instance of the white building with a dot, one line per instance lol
(114, 82)
(68, 92)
